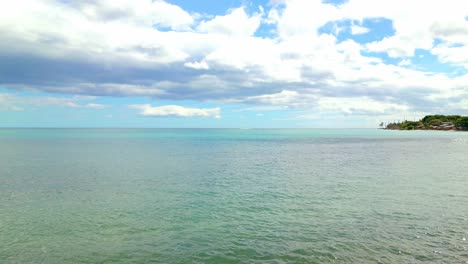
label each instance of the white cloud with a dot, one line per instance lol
(322, 104)
(395, 47)
(463, 104)
(404, 62)
(305, 17)
(236, 23)
(95, 106)
(73, 102)
(12, 102)
(455, 31)
(414, 28)
(359, 105)
(7, 103)
(457, 55)
(147, 12)
(103, 32)
(176, 111)
(149, 48)
(201, 65)
(262, 108)
(285, 97)
(359, 30)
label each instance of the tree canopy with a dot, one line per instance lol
(432, 122)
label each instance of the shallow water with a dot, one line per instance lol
(233, 196)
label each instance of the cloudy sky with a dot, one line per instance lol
(230, 63)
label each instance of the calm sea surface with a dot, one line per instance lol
(233, 196)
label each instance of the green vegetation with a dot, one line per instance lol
(433, 122)
(462, 122)
(440, 118)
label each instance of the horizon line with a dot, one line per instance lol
(241, 128)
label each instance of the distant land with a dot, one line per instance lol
(432, 122)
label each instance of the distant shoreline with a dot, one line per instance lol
(432, 122)
(429, 129)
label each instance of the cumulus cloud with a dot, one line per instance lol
(453, 54)
(202, 65)
(237, 22)
(362, 105)
(284, 98)
(176, 111)
(159, 50)
(154, 13)
(359, 30)
(404, 62)
(304, 17)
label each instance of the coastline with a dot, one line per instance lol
(431, 122)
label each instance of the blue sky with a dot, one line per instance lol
(229, 63)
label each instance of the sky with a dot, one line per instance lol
(230, 63)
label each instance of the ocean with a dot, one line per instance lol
(233, 196)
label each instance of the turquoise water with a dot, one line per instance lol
(233, 196)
